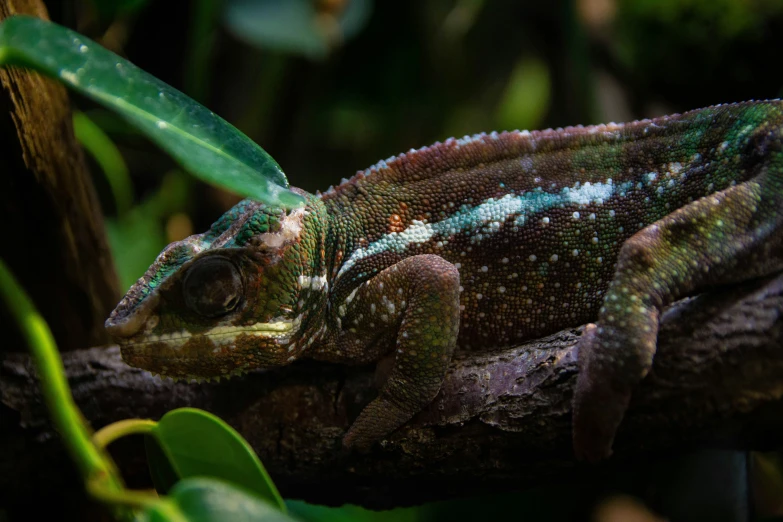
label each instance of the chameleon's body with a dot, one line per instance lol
(477, 243)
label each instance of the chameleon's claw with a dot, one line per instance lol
(354, 442)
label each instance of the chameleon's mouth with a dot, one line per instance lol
(217, 352)
(219, 334)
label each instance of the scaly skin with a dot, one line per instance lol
(476, 244)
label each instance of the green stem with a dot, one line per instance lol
(57, 395)
(203, 24)
(116, 430)
(122, 497)
(108, 157)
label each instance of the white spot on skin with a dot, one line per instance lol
(291, 228)
(316, 283)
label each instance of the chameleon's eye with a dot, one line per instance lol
(212, 287)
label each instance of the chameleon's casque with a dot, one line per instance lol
(474, 244)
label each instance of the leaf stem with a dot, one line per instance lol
(108, 434)
(108, 157)
(57, 395)
(123, 497)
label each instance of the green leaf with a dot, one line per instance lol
(209, 500)
(198, 443)
(162, 472)
(205, 144)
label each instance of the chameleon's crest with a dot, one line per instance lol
(214, 303)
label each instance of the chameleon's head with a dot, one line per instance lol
(250, 292)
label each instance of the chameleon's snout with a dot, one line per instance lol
(127, 320)
(122, 328)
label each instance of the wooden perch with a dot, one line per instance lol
(501, 420)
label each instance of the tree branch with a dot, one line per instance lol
(501, 420)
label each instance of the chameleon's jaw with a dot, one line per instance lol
(221, 351)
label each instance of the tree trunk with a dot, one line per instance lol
(53, 235)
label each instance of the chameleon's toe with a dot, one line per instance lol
(599, 404)
(379, 418)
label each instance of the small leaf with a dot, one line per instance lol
(209, 500)
(198, 443)
(205, 144)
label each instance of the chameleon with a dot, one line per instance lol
(476, 244)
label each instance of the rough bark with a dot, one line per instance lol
(501, 420)
(53, 235)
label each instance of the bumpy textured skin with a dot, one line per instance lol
(476, 244)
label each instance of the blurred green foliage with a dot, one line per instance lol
(295, 26)
(138, 236)
(328, 87)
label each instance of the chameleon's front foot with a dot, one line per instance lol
(423, 292)
(374, 423)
